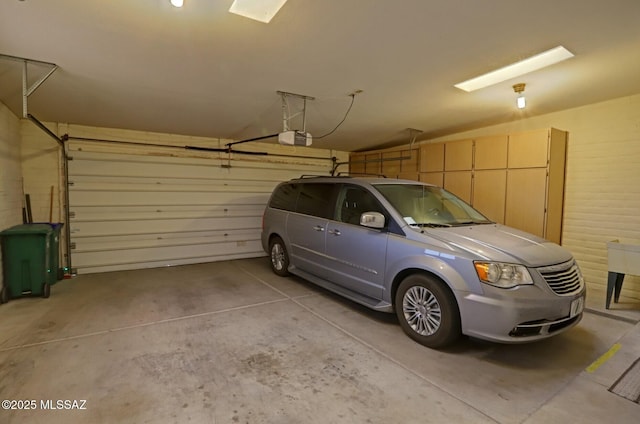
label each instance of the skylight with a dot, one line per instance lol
(533, 63)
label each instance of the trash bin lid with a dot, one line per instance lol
(27, 229)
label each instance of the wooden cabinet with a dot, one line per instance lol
(491, 152)
(431, 164)
(409, 164)
(373, 164)
(458, 155)
(432, 157)
(357, 163)
(392, 163)
(490, 176)
(514, 179)
(459, 183)
(458, 165)
(535, 182)
(525, 200)
(490, 193)
(528, 149)
(435, 178)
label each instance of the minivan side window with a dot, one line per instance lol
(284, 197)
(316, 199)
(353, 201)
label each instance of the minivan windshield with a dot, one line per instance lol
(430, 206)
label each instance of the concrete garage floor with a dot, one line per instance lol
(231, 342)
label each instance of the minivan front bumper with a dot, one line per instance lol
(521, 315)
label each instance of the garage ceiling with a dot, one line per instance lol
(203, 71)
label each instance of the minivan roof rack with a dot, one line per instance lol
(364, 174)
(316, 176)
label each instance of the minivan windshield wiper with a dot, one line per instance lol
(431, 224)
(463, 223)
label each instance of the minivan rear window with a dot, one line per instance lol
(284, 197)
(315, 199)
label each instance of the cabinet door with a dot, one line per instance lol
(435, 178)
(356, 163)
(410, 164)
(432, 157)
(458, 155)
(555, 190)
(459, 183)
(491, 152)
(489, 191)
(390, 165)
(374, 166)
(526, 198)
(415, 176)
(528, 149)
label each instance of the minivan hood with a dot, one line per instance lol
(497, 242)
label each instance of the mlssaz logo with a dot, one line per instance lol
(63, 404)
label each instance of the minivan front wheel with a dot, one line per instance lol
(279, 257)
(427, 311)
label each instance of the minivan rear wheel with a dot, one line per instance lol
(427, 311)
(279, 257)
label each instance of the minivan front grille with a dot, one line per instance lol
(563, 279)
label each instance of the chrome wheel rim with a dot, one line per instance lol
(422, 311)
(277, 257)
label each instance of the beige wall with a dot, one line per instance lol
(602, 193)
(41, 169)
(10, 172)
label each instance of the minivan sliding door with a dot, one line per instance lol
(307, 227)
(357, 254)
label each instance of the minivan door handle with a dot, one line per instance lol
(318, 228)
(335, 232)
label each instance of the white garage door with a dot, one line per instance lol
(143, 209)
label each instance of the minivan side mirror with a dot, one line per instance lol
(372, 220)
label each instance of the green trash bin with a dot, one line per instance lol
(56, 273)
(26, 256)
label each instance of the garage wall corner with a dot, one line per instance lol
(10, 171)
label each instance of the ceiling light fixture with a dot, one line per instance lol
(177, 3)
(521, 102)
(533, 63)
(259, 10)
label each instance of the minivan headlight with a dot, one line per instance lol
(502, 275)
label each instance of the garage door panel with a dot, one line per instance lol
(142, 209)
(128, 198)
(161, 263)
(141, 241)
(110, 213)
(170, 185)
(162, 225)
(101, 164)
(168, 255)
(143, 169)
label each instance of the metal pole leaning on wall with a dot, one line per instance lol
(67, 213)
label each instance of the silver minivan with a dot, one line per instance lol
(421, 252)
